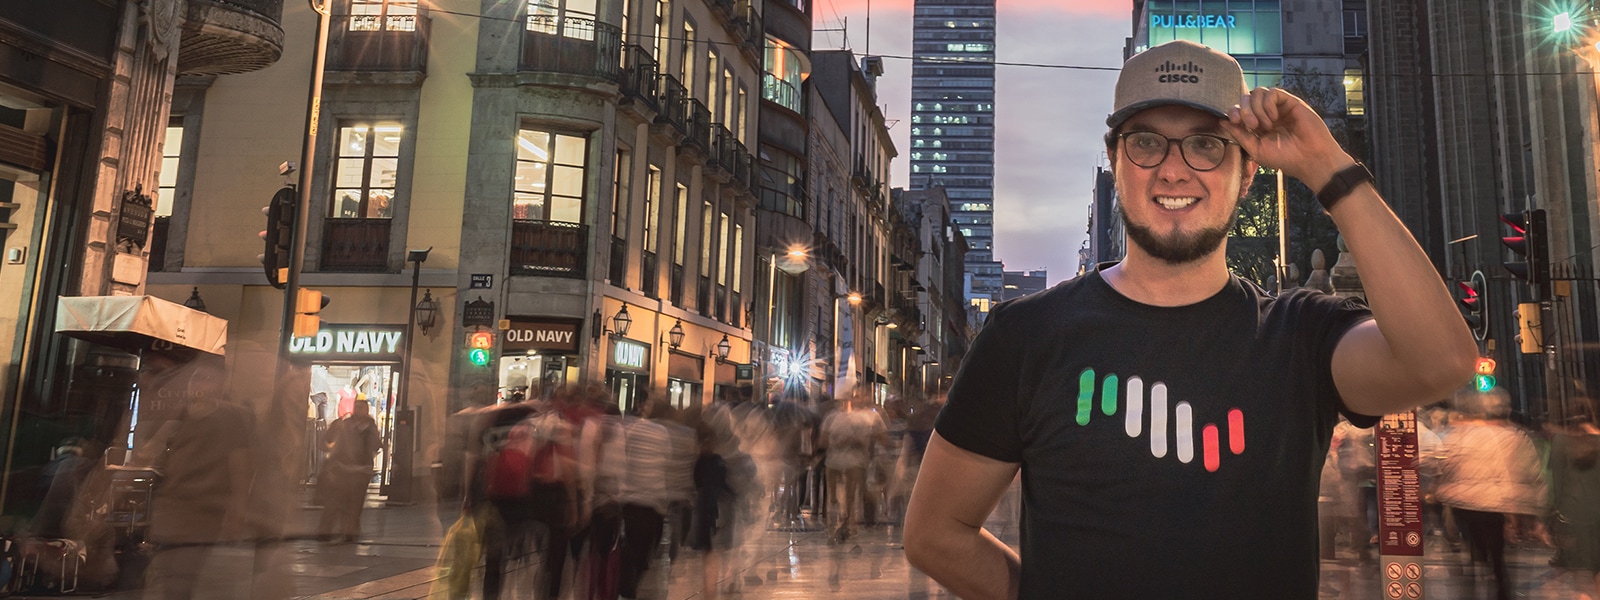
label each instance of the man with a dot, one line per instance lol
(849, 435)
(1170, 420)
(353, 441)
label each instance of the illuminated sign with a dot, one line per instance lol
(355, 342)
(524, 335)
(1192, 21)
(629, 355)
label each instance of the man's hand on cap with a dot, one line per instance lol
(1280, 131)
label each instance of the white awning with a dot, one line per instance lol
(134, 322)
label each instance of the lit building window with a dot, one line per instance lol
(364, 177)
(1354, 97)
(383, 15)
(168, 178)
(550, 176)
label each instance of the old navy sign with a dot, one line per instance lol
(1191, 21)
(629, 355)
(525, 335)
(352, 342)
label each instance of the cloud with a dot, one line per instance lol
(1049, 121)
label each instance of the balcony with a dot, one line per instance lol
(355, 245)
(572, 45)
(787, 196)
(549, 248)
(727, 149)
(674, 105)
(755, 38)
(699, 121)
(639, 78)
(782, 93)
(375, 43)
(619, 262)
(221, 37)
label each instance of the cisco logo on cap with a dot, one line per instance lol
(1171, 72)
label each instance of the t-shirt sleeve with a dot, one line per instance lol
(981, 413)
(1337, 316)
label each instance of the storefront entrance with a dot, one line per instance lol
(351, 364)
(628, 373)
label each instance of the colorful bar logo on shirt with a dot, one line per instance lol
(1180, 415)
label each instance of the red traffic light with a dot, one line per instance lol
(482, 340)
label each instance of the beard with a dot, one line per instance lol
(1178, 248)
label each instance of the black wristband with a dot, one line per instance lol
(1343, 182)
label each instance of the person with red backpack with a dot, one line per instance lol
(527, 474)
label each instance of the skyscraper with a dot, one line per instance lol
(952, 125)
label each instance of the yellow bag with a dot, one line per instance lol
(463, 546)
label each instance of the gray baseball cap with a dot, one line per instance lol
(1178, 72)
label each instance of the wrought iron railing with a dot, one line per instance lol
(383, 48)
(699, 121)
(787, 196)
(549, 248)
(639, 76)
(755, 38)
(355, 245)
(572, 45)
(674, 104)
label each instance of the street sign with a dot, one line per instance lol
(1400, 533)
(743, 373)
(482, 281)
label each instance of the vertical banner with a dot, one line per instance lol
(844, 356)
(1400, 533)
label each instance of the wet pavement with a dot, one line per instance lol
(395, 559)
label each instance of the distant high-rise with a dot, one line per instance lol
(952, 125)
(1022, 283)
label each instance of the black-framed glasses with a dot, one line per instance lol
(1201, 151)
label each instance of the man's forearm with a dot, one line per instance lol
(1412, 307)
(971, 562)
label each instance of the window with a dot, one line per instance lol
(680, 236)
(621, 189)
(689, 56)
(711, 82)
(652, 211)
(705, 240)
(383, 15)
(364, 177)
(550, 176)
(1354, 96)
(728, 115)
(722, 257)
(663, 12)
(739, 107)
(1355, 23)
(738, 256)
(167, 190)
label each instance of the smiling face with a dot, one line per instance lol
(1171, 211)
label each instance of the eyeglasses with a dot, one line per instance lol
(1201, 151)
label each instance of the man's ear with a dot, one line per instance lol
(1247, 175)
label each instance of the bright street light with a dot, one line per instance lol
(1562, 23)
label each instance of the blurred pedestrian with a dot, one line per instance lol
(1491, 477)
(849, 436)
(351, 444)
(1167, 417)
(1575, 499)
(631, 495)
(200, 502)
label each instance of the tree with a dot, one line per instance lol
(1253, 241)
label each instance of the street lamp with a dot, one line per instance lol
(427, 312)
(794, 253)
(620, 322)
(194, 300)
(723, 348)
(399, 455)
(675, 335)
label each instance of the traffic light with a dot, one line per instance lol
(279, 235)
(1528, 332)
(1528, 240)
(1472, 304)
(479, 345)
(1484, 380)
(308, 303)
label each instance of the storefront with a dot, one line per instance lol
(685, 373)
(535, 355)
(350, 364)
(628, 373)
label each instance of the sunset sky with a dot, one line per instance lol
(1049, 121)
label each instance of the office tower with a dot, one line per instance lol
(952, 125)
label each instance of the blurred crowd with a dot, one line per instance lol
(1489, 485)
(562, 479)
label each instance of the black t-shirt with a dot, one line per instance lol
(1166, 452)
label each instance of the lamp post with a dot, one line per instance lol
(772, 303)
(402, 424)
